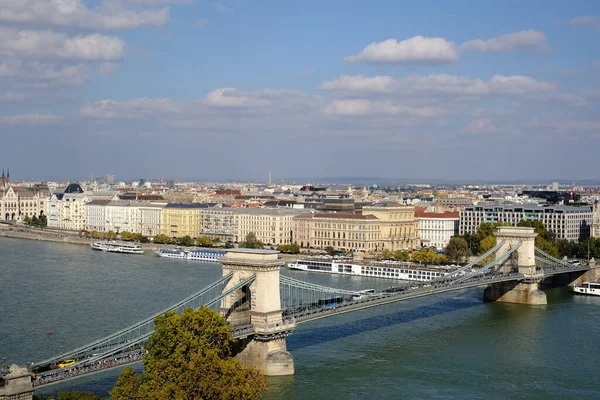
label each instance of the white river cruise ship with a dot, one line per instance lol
(114, 246)
(197, 255)
(388, 270)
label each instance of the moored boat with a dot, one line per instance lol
(184, 254)
(589, 288)
(388, 270)
(115, 246)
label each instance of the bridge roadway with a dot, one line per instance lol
(135, 351)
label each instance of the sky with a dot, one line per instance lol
(232, 89)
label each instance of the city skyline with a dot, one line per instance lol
(230, 90)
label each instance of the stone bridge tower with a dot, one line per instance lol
(522, 261)
(259, 305)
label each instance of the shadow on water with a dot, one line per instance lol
(310, 337)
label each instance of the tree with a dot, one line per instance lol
(43, 220)
(400, 255)
(289, 248)
(27, 220)
(79, 396)
(545, 240)
(34, 221)
(426, 255)
(252, 242)
(204, 241)
(185, 241)
(189, 356)
(457, 249)
(330, 250)
(387, 254)
(111, 235)
(161, 238)
(126, 236)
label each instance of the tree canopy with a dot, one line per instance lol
(189, 356)
(457, 249)
(251, 242)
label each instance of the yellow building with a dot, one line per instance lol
(182, 219)
(399, 227)
(272, 226)
(343, 231)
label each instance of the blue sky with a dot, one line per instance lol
(194, 89)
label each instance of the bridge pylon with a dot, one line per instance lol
(522, 261)
(16, 384)
(259, 305)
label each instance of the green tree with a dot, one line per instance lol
(43, 220)
(126, 236)
(27, 220)
(401, 255)
(252, 242)
(111, 235)
(204, 241)
(34, 221)
(79, 396)
(185, 241)
(189, 356)
(161, 238)
(330, 250)
(386, 254)
(457, 249)
(426, 255)
(289, 248)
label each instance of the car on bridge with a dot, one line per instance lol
(66, 363)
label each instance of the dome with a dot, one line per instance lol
(73, 188)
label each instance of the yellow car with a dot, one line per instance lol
(66, 363)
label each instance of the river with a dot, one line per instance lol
(439, 347)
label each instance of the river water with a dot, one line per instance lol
(439, 347)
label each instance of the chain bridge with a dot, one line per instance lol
(263, 307)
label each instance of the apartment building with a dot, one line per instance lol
(343, 231)
(436, 229)
(567, 222)
(218, 223)
(272, 226)
(399, 227)
(182, 219)
(151, 217)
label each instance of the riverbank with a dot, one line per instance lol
(49, 235)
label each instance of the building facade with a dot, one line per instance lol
(272, 226)
(218, 223)
(399, 227)
(182, 219)
(351, 231)
(436, 229)
(151, 219)
(566, 222)
(95, 216)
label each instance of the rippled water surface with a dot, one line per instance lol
(446, 346)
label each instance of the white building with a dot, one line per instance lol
(151, 218)
(123, 216)
(95, 212)
(436, 229)
(566, 222)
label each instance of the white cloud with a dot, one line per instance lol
(529, 40)
(584, 20)
(49, 45)
(436, 84)
(13, 97)
(75, 13)
(222, 7)
(366, 107)
(417, 49)
(134, 108)
(482, 125)
(38, 74)
(30, 119)
(360, 83)
(519, 84)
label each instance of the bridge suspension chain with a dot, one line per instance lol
(498, 261)
(140, 330)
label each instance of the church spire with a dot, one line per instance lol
(3, 172)
(8, 173)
